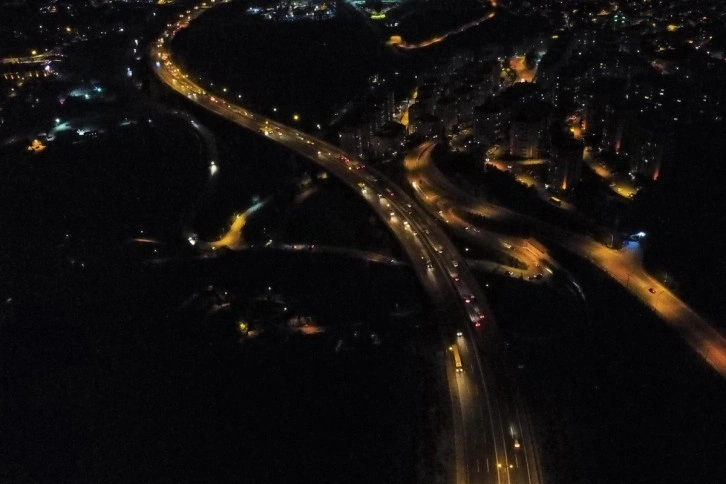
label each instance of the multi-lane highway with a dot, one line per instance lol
(492, 443)
(445, 201)
(707, 341)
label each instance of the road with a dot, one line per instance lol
(698, 333)
(619, 184)
(444, 200)
(399, 43)
(484, 424)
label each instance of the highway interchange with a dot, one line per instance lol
(491, 432)
(436, 192)
(493, 442)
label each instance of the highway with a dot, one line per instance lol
(444, 202)
(627, 270)
(484, 410)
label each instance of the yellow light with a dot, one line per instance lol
(395, 40)
(296, 117)
(68, 29)
(33, 52)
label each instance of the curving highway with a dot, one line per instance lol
(445, 202)
(621, 265)
(491, 444)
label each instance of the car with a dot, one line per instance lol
(517, 445)
(651, 290)
(429, 265)
(459, 334)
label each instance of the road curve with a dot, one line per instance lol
(485, 453)
(706, 340)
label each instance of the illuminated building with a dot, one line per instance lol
(565, 167)
(524, 137)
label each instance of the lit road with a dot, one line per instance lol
(617, 183)
(698, 333)
(484, 425)
(232, 239)
(445, 202)
(399, 43)
(520, 169)
(42, 59)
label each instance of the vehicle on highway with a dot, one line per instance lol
(457, 358)
(429, 265)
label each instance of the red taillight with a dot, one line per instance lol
(477, 324)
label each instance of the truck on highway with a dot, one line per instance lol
(457, 358)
